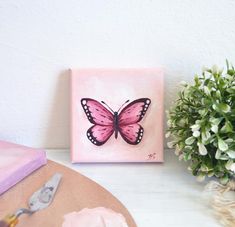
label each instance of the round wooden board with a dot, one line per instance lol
(74, 193)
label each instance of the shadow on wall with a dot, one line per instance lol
(171, 88)
(57, 134)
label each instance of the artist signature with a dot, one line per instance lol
(152, 156)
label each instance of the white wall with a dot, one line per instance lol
(40, 40)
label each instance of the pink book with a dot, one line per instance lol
(17, 162)
(117, 115)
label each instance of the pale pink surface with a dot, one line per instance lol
(17, 162)
(115, 87)
(96, 217)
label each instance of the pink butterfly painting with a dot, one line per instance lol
(106, 121)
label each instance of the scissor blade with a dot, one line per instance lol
(43, 197)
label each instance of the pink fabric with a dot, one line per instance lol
(96, 217)
(17, 162)
(114, 87)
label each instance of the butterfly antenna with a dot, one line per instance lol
(107, 106)
(123, 105)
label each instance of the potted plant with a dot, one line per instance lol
(201, 125)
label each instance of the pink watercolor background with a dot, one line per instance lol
(115, 87)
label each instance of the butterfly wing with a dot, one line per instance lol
(134, 111)
(132, 134)
(99, 134)
(102, 119)
(96, 113)
(128, 119)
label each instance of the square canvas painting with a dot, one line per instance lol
(117, 115)
(17, 162)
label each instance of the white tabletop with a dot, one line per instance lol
(157, 195)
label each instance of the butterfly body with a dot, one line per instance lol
(107, 122)
(115, 124)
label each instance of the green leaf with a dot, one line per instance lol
(228, 127)
(190, 140)
(224, 157)
(202, 149)
(214, 128)
(227, 64)
(218, 94)
(223, 146)
(218, 154)
(231, 90)
(224, 107)
(228, 164)
(204, 168)
(224, 180)
(231, 154)
(215, 121)
(201, 177)
(197, 81)
(203, 112)
(210, 174)
(187, 156)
